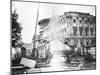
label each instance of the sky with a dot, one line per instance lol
(27, 12)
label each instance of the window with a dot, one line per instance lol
(87, 42)
(91, 30)
(80, 29)
(86, 30)
(64, 19)
(74, 20)
(93, 42)
(75, 31)
(85, 21)
(82, 18)
(65, 30)
(75, 28)
(81, 43)
(91, 22)
(80, 21)
(61, 20)
(62, 30)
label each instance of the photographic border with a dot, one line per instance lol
(49, 3)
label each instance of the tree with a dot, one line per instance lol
(16, 30)
(16, 38)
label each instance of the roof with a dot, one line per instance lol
(81, 13)
(44, 20)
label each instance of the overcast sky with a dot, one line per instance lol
(27, 12)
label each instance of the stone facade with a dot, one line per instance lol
(76, 29)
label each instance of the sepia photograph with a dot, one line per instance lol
(52, 37)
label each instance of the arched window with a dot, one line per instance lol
(80, 21)
(81, 30)
(75, 31)
(74, 20)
